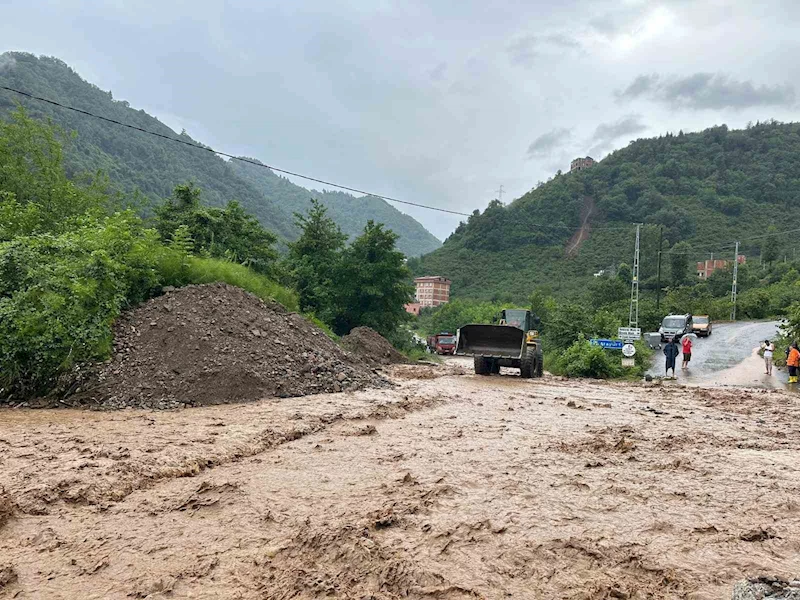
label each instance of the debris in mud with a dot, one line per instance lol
(7, 576)
(772, 588)
(758, 535)
(372, 346)
(349, 561)
(7, 507)
(207, 495)
(214, 344)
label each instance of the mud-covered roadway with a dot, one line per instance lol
(450, 486)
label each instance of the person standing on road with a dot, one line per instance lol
(793, 362)
(671, 351)
(769, 350)
(686, 346)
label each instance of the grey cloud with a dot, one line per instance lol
(438, 72)
(607, 133)
(547, 142)
(7, 62)
(708, 91)
(641, 85)
(526, 49)
(523, 51)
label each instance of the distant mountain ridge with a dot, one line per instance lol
(137, 161)
(707, 189)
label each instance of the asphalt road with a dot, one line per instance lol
(728, 357)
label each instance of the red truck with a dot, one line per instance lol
(442, 343)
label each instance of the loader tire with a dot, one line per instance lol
(482, 365)
(495, 369)
(527, 367)
(539, 365)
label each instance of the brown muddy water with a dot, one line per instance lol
(449, 486)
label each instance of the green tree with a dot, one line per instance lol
(771, 246)
(607, 290)
(679, 261)
(371, 284)
(228, 232)
(542, 304)
(35, 193)
(314, 259)
(625, 274)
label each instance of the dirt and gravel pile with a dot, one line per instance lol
(372, 346)
(213, 344)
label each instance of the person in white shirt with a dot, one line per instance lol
(769, 349)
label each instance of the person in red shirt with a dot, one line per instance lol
(793, 362)
(686, 347)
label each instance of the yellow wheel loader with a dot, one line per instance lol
(513, 342)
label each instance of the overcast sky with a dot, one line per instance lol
(438, 102)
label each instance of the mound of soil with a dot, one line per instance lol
(213, 344)
(372, 346)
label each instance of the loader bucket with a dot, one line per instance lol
(496, 341)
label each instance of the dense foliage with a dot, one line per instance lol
(228, 232)
(363, 284)
(313, 260)
(136, 161)
(706, 189)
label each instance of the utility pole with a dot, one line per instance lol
(658, 277)
(633, 316)
(735, 277)
(500, 193)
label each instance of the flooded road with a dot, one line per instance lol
(728, 357)
(449, 486)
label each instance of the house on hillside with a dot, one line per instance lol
(413, 308)
(579, 164)
(706, 267)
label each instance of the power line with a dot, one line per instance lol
(728, 245)
(336, 185)
(759, 237)
(231, 156)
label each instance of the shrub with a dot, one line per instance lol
(582, 359)
(59, 295)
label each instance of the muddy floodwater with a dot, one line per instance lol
(449, 486)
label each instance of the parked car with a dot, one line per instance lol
(675, 326)
(701, 325)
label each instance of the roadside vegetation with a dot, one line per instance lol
(73, 255)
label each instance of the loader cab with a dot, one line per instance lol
(519, 318)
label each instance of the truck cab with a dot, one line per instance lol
(442, 343)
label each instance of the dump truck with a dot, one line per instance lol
(442, 343)
(513, 341)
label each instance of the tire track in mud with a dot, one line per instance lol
(126, 477)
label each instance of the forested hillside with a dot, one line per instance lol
(137, 161)
(706, 189)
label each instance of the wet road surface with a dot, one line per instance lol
(728, 357)
(449, 486)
